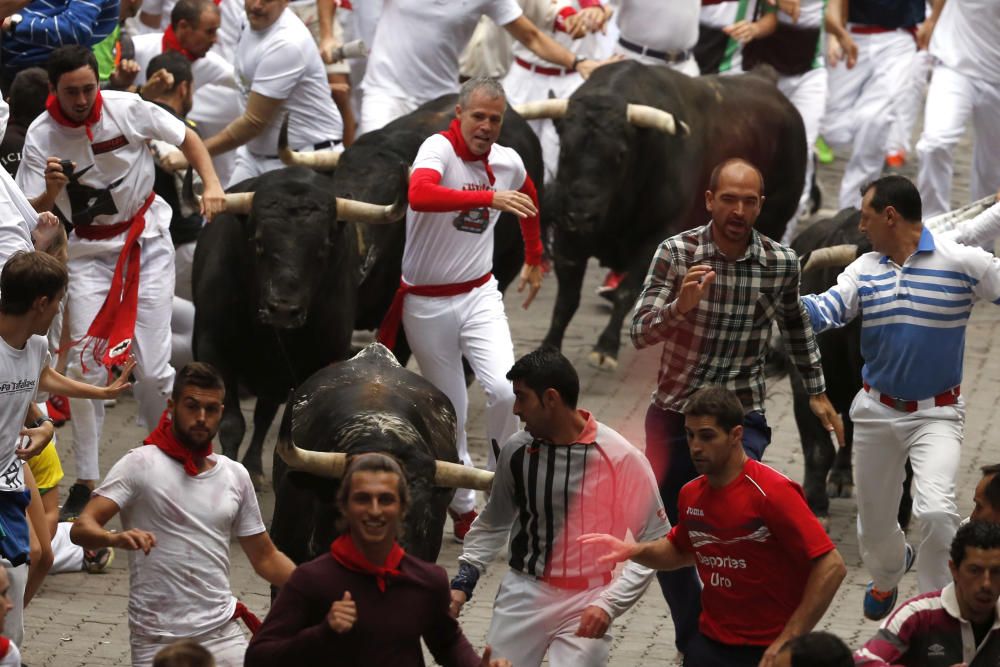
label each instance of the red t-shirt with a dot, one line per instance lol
(754, 541)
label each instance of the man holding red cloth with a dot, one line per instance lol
(448, 300)
(121, 259)
(367, 602)
(181, 506)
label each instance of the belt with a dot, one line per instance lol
(949, 397)
(541, 69)
(867, 29)
(577, 583)
(323, 145)
(671, 57)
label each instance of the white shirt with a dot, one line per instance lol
(283, 63)
(810, 14)
(114, 173)
(181, 589)
(965, 38)
(210, 69)
(663, 25)
(417, 44)
(19, 373)
(456, 246)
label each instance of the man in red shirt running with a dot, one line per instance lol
(768, 567)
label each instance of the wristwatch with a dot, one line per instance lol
(576, 62)
(41, 420)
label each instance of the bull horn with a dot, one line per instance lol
(643, 115)
(318, 160)
(237, 203)
(373, 214)
(553, 108)
(332, 465)
(838, 255)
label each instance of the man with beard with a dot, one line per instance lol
(710, 297)
(769, 568)
(181, 506)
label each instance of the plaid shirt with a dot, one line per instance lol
(724, 339)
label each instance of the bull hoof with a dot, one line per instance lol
(602, 361)
(257, 478)
(839, 488)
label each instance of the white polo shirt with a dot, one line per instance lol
(965, 38)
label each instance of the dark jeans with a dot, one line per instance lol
(667, 451)
(705, 652)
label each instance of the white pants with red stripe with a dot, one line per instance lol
(89, 282)
(951, 100)
(808, 93)
(524, 85)
(531, 618)
(860, 103)
(440, 331)
(883, 438)
(228, 645)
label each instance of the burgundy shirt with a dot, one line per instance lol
(389, 626)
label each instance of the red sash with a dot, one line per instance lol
(389, 328)
(250, 619)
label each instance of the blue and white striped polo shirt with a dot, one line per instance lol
(913, 317)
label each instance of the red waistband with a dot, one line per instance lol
(577, 583)
(949, 397)
(542, 69)
(104, 232)
(394, 316)
(863, 29)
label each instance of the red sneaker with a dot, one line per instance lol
(462, 523)
(58, 408)
(895, 159)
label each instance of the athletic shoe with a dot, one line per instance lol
(823, 151)
(895, 159)
(610, 284)
(462, 522)
(58, 409)
(79, 496)
(879, 604)
(96, 562)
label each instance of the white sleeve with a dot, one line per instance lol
(31, 172)
(147, 121)
(125, 479)
(503, 12)
(214, 70)
(279, 70)
(434, 154)
(981, 230)
(248, 520)
(838, 305)
(489, 532)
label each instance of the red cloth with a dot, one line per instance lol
(454, 135)
(345, 552)
(394, 316)
(754, 542)
(170, 43)
(561, 16)
(52, 106)
(114, 326)
(165, 438)
(250, 619)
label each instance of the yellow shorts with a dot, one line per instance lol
(46, 468)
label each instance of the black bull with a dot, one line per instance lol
(366, 404)
(622, 188)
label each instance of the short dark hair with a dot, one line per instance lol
(975, 534)
(898, 192)
(547, 368)
(717, 402)
(992, 490)
(190, 11)
(713, 180)
(27, 276)
(175, 63)
(69, 59)
(28, 93)
(819, 649)
(371, 462)
(184, 653)
(197, 374)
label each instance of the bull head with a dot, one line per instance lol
(318, 160)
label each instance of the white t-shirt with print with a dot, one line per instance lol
(417, 44)
(181, 589)
(283, 63)
(114, 171)
(456, 246)
(19, 372)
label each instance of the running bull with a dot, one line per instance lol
(638, 146)
(275, 290)
(366, 404)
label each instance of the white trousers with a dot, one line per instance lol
(951, 100)
(182, 333)
(378, 109)
(910, 100)
(13, 627)
(249, 165)
(228, 645)
(808, 93)
(89, 281)
(883, 438)
(859, 108)
(689, 66)
(523, 85)
(531, 618)
(67, 557)
(440, 331)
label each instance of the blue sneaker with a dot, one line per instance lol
(879, 604)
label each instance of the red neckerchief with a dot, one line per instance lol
(165, 438)
(345, 552)
(52, 106)
(454, 135)
(170, 43)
